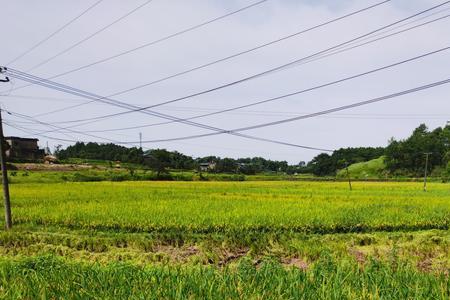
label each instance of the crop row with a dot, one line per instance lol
(274, 207)
(51, 278)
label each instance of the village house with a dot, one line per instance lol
(23, 149)
(207, 167)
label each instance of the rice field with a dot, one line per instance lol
(227, 240)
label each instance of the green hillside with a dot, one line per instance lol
(374, 168)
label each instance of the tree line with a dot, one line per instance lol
(402, 157)
(408, 156)
(162, 160)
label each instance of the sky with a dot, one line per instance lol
(25, 23)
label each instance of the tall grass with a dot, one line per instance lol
(51, 278)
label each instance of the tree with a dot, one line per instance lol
(322, 165)
(102, 152)
(158, 160)
(407, 156)
(227, 165)
(327, 165)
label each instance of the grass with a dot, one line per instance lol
(376, 169)
(226, 240)
(373, 169)
(49, 278)
(95, 175)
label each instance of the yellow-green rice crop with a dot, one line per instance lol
(227, 240)
(206, 207)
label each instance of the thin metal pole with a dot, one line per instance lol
(8, 219)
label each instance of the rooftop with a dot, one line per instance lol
(20, 139)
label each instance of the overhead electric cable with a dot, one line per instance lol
(236, 132)
(26, 117)
(89, 36)
(316, 114)
(328, 111)
(152, 43)
(341, 50)
(246, 136)
(28, 131)
(226, 110)
(281, 67)
(53, 33)
(216, 61)
(120, 104)
(267, 72)
(334, 82)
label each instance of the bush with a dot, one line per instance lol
(79, 177)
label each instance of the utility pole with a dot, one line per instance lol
(140, 140)
(348, 176)
(8, 219)
(427, 154)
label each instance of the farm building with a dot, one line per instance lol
(23, 149)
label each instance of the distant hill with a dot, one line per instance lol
(372, 169)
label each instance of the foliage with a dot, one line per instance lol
(158, 160)
(325, 164)
(408, 155)
(372, 169)
(161, 159)
(109, 152)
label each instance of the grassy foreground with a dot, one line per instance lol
(227, 240)
(50, 278)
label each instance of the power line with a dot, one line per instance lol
(247, 136)
(316, 114)
(148, 44)
(279, 68)
(88, 95)
(289, 94)
(88, 37)
(216, 61)
(236, 132)
(321, 57)
(31, 132)
(54, 33)
(203, 115)
(27, 97)
(26, 117)
(28, 131)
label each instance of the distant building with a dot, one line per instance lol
(23, 149)
(207, 167)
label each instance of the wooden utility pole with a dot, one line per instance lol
(348, 177)
(8, 219)
(427, 154)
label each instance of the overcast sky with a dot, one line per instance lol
(27, 22)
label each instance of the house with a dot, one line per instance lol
(206, 167)
(23, 149)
